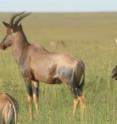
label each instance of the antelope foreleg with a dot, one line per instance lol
(29, 97)
(30, 107)
(36, 95)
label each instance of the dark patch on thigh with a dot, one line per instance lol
(65, 73)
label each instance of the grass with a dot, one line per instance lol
(89, 36)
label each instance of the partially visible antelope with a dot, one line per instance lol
(115, 41)
(8, 109)
(39, 65)
(114, 72)
(57, 44)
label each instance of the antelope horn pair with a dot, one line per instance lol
(15, 21)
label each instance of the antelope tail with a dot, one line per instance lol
(80, 75)
(82, 81)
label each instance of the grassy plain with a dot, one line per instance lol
(89, 36)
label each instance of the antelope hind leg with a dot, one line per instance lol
(75, 104)
(78, 100)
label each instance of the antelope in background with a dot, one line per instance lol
(114, 72)
(8, 109)
(39, 65)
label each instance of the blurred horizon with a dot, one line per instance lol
(58, 6)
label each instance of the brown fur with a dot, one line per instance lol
(39, 65)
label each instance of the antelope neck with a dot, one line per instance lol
(19, 46)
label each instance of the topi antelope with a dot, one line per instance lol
(8, 109)
(39, 65)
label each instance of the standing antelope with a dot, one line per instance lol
(8, 109)
(37, 64)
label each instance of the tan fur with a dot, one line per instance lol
(39, 65)
(8, 109)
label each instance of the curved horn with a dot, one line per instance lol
(21, 17)
(12, 19)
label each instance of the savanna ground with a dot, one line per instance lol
(89, 36)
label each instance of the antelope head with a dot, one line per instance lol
(12, 29)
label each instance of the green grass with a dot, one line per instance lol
(89, 36)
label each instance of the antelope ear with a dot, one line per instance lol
(6, 24)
